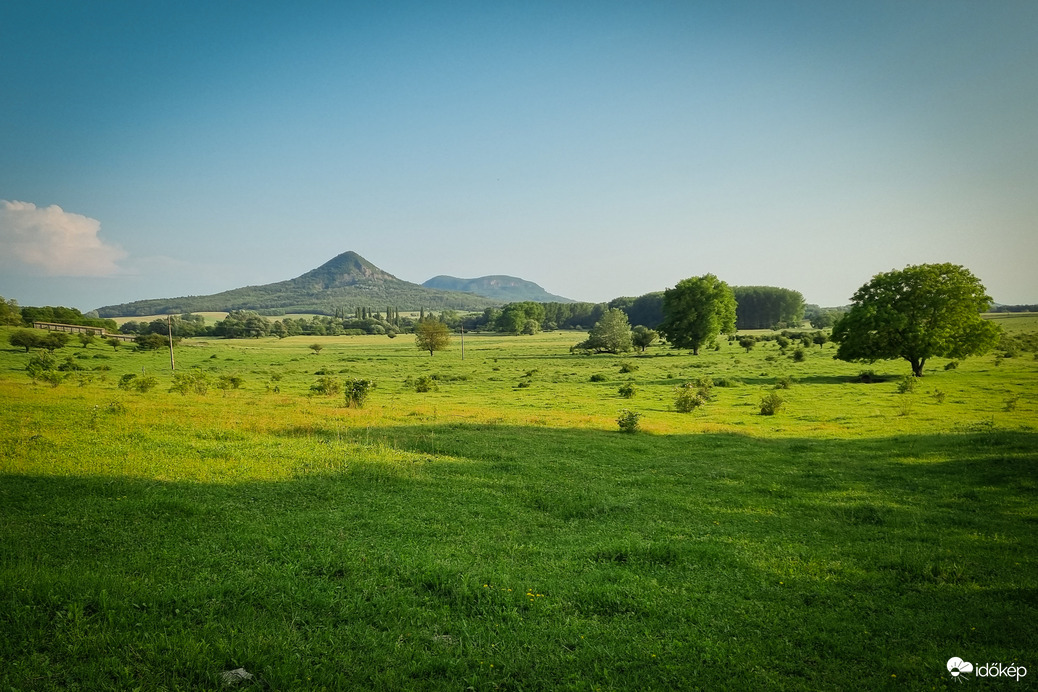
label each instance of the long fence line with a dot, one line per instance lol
(82, 329)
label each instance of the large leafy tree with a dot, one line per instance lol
(431, 335)
(696, 310)
(917, 313)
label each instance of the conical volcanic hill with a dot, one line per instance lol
(346, 281)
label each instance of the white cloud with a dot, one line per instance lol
(55, 241)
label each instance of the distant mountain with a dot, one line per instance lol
(506, 289)
(347, 281)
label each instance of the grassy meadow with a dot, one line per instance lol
(499, 532)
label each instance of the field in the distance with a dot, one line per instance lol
(499, 532)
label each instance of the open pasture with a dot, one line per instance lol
(499, 532)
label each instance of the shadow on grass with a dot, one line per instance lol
(797, 563)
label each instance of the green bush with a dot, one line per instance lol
(184, 382)
(906, 385)
(785, 382)
(52, 377)
(357, 391)
(628, 421)
(690, 396)
(326, 385)
(422, 384)
(40, 364)
(229, 382)
(628, 367)
(627, 391)
(599, 377)
(144, 383)
(771, 403)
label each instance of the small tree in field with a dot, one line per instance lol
(431, 335)
(917, 313)
(316, 348)
(611, 334)
(643, 337)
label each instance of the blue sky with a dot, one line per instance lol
(601, 149)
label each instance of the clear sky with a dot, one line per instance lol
(159, 149)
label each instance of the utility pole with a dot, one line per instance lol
(169, 325)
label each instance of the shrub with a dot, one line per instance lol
(906, 385)
(52, 377)
(951, 365)
(868, 377)
(628, 421)
(126, 381)
(422, 384)
(747, 342)
(357, 391)
(40, 364)
(689, 398)
(726, 382)
(598, 377)
(771, 403)
(70, 365)
(326, 385)
(799, 355)
(785, 382)
(184, 382)
(628, 367)
(627, 391)
(229, 382)
(938, 396)
(145, 383)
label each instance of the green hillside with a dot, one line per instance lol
(504, 288)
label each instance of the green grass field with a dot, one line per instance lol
(501, 533)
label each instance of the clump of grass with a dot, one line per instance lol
(904, 405)
(598, 377)
(629, 421)
(951, 365)
(726, 382)
(1011, 403)
(785, 382)
(628, 367)
(938, 396)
